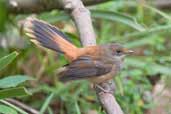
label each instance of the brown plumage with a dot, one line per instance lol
(95, 63)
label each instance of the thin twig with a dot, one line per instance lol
(23, 106)
(81, 16)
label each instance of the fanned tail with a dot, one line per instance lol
(49, 36)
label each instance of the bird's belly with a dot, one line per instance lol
(103, 78)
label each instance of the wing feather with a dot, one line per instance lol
(84, 67)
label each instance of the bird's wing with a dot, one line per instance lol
(84, 67)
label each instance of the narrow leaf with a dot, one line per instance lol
(108, 15)
(114, 16)
(13, 92)
(13, 81)
(7, 110)
(77, 108)
(46, 103)
(166, 16)
(155, 68)
(150, 31)
(18, 109)
(120, 85)
(4, 61)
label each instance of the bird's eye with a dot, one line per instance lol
(118, 51)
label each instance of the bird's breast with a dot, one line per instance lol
(105, 77)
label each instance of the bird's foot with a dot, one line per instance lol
(102, 89)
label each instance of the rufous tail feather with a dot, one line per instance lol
(49, 36)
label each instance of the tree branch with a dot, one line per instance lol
(82, 19)
(37, 6)
(163, 4)
(81, 16)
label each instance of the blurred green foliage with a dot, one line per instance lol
(3, 15)
(140, 27)
(7, 110)
(8, 85)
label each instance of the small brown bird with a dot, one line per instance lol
(97, 63)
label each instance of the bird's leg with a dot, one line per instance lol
(102, 89)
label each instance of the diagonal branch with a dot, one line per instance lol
(82, 19)
(37, 6)
(81, 16)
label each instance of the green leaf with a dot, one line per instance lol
(161, 69)
(13, 92)
(151, 68)
(13, 81)
(119, 85)
(18, 109)
(54, 16)
(77, 108)
(46, 103)
(114, 16)
(140, 42)
(108, 15)
(4, 61)
(7, 110)
(166, 16)
(150, 31)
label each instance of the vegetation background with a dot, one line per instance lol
(140, 87)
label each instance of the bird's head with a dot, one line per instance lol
(118, 51)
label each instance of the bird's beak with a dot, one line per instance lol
(128, 51)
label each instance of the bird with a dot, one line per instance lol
(96, 63)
